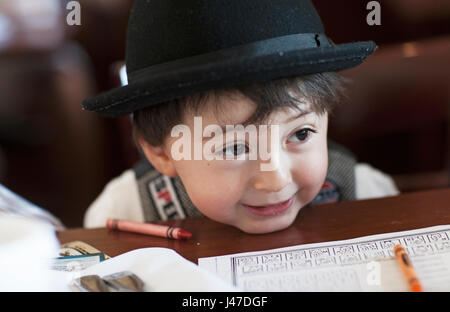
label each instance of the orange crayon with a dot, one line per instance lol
(407, 268)
(147, 228)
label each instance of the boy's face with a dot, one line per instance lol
(239, 192)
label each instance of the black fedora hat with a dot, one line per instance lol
(180, 47)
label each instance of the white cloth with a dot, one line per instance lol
(161, 269)
(120, 198)
(372, 183)
(27, 249)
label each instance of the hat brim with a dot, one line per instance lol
(217, 70)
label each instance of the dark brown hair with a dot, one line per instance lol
(323, 90)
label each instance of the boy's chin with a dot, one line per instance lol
(264, 227)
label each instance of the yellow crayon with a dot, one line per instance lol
(407, 268)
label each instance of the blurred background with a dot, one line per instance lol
(60, 157)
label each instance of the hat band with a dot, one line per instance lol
(273, 46)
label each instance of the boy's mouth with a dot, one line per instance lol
(270, 210)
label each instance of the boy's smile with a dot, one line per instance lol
(271, 209)
(237, 191)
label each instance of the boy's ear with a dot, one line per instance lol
(158, 158)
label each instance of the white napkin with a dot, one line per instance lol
(27, 247)
(161, 269)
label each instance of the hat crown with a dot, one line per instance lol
(161, 31)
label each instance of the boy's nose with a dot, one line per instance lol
(272, 181)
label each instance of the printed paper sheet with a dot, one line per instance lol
(360, 264)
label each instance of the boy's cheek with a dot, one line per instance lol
(213, 194)
(311, 172)
(215, 205)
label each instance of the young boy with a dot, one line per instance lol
(230, 103)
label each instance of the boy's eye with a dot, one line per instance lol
(301, 135)
(235, 150)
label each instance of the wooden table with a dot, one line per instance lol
(314, 224)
